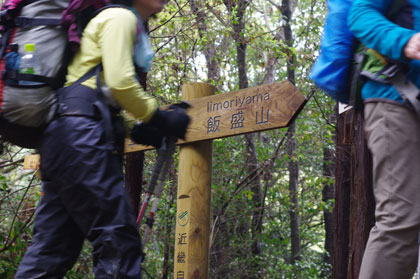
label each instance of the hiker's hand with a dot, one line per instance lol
(147, 135)
(412, 48)
(173, 121)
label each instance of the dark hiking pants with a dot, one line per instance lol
(83, 198)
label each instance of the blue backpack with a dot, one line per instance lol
(341, 67)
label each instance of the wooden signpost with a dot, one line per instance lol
(244, 111)
(216, 116)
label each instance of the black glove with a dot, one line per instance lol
(147, 135)
(173, 121)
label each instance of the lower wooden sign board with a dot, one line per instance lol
(31, 162)
(255, 109)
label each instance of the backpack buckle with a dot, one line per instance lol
(9, 75)
(391, 70)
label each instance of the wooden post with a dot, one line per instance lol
(193, 200)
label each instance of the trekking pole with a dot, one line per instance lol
(150, 220)
(163, 155)
(165, 159)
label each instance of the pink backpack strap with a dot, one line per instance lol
(69, 17)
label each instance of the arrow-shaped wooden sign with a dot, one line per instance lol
(260, 108)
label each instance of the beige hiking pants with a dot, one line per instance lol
(393, 134)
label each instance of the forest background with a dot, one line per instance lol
(272, 192)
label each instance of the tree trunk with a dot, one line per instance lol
(327, 196)
(133, 178)
(251, 155)
(241, 43)
(256, 188)
(134, 161)
(286, 10)
(341, 212)
(213, 70)
(355, 204)
(293, 196)
(362, 202)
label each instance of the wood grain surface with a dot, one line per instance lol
(244, 111)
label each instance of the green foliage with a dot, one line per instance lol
(186, 47)
(17, 194)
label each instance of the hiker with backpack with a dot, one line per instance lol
(392, 129)
(81, 149)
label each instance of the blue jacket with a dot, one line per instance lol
(368, 23)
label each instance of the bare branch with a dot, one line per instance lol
(15, 216)
(163, 24)
(6, 164)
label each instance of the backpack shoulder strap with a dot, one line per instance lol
(408, 91)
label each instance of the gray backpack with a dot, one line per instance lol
(27, 97)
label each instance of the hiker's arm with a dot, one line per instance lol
(116, 40)
(368, 23)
